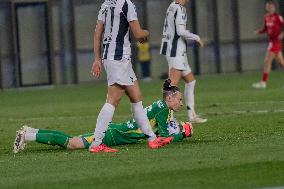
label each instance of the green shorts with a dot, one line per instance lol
(109, 139)
(114, 137)
(87, 139)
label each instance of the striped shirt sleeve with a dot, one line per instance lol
(101, 15)
(181, 18)
(132, 14)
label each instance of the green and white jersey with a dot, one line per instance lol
(161, 120)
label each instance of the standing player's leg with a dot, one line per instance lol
(175, 76)
(115, 93)
(140, 116)
(280, 59)
(267, 68)
(179, 68)
(135, 97)
(189, 94)
(189, 97)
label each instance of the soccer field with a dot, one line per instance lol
(241, 146)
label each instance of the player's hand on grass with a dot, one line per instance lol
(97, 68)
(201, 43)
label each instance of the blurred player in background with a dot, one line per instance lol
(144, 58)
(174, 47)
(159, 114)
(273, 24)
(115, 19)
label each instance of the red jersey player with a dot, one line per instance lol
(273, 24)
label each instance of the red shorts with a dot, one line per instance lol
(275, 46)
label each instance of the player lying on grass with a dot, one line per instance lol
(273, 25)
(160, 115)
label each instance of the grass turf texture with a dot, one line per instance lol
(241, 146)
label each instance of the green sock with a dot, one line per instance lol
(53, 132)
(53, 139)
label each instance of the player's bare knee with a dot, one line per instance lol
(174, 80)
(115, 94)
(75, 143)
(136, 98)
(71, 146)
(280, 60)
(113, 101)
(189, 78)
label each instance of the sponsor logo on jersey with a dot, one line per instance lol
(160, 104)
(173, 124)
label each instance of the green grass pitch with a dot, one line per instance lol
(241, 146)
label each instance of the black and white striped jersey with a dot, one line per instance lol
(172, 44)
(116, 15)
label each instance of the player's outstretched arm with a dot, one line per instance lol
(97, 65)
(262, 30)
(183, 32)
(137, 31)
(168, 129)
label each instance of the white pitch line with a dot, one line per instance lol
(241, 103)
(237, 112)
(242, 112)
(66, 117)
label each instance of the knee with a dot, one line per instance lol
(137, 97)
(72, 147)
(136, 100)
(113, 100)
(267, 62)
(74, 144)
(174, 80)
(281, 61)
(189, 78)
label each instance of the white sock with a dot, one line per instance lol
(29, 137)
(189, 98)
(142, 120)
(103, 120)
(32, 130)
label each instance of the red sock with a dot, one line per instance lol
(265, 77)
